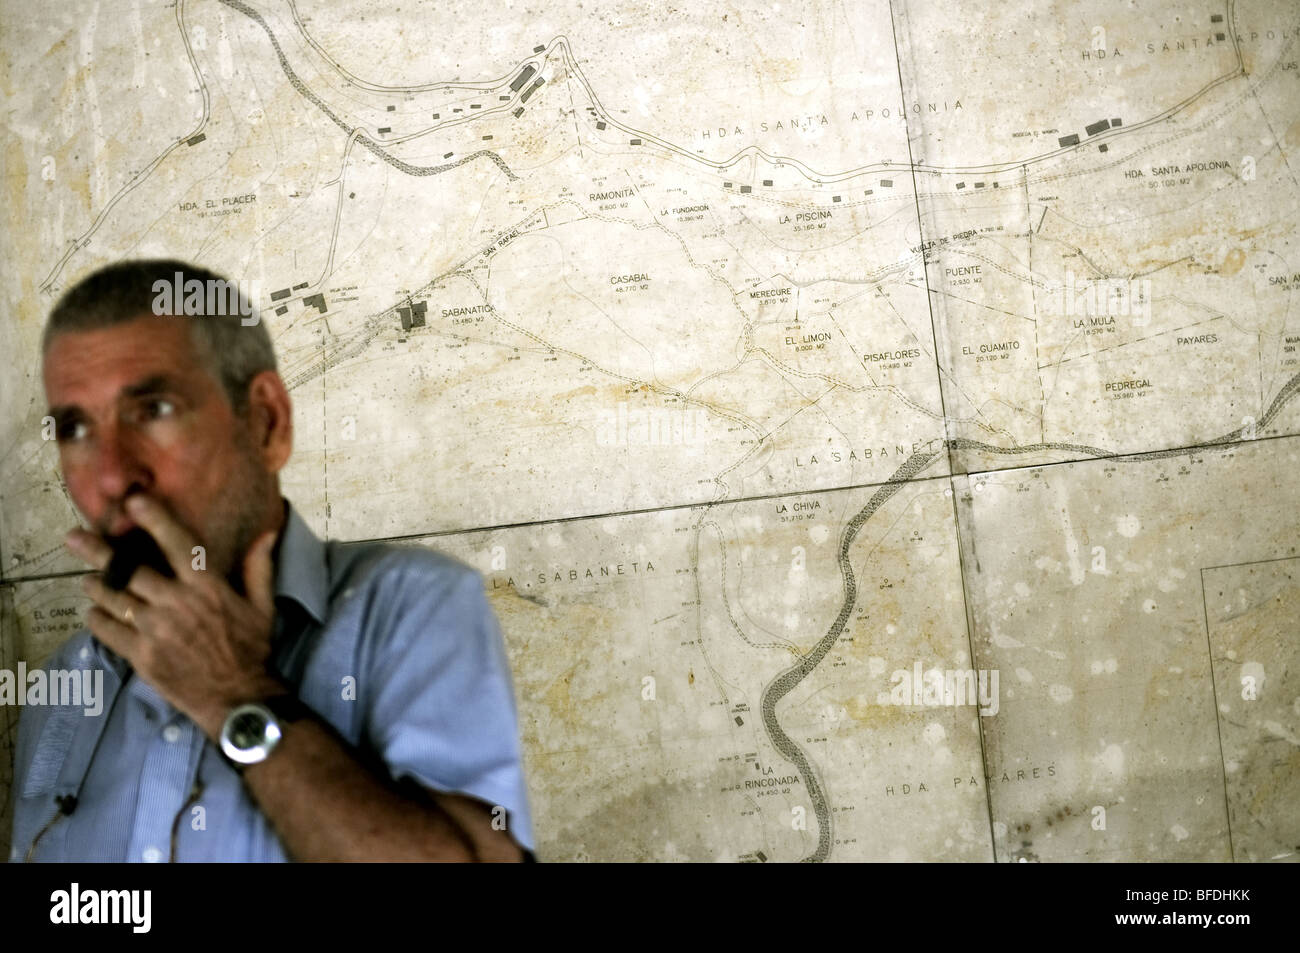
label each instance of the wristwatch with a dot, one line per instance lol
(253, 730)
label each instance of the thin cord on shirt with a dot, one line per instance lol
(195, 793)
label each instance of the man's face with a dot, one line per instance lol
(136, 410)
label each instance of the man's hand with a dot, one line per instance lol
(202, 645)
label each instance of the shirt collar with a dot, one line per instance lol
(301, 570)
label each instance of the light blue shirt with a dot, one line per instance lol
(394, 646)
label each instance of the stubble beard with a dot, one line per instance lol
(240, 514)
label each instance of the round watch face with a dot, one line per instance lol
(249, 734)
(247, 729)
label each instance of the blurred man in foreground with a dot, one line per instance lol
(268, 696)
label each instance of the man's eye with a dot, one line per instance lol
(71, 430)
(158, 407)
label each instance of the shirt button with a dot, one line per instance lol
(171, 734)
(151, 855)
(85, 652)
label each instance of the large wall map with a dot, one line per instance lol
(876, 423)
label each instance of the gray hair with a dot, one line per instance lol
(232, 349)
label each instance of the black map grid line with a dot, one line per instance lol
(1214, 687)
(962, 444)
(1218, 725)
(967, 614)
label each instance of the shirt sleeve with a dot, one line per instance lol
(442, 707)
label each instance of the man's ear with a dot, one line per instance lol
(270, 419)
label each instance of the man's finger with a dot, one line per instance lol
(89, 548)
(151, 586)
(120, 638)
(176, 542)
(121, 606)
(259, 574)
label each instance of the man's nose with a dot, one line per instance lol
(118, 466)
